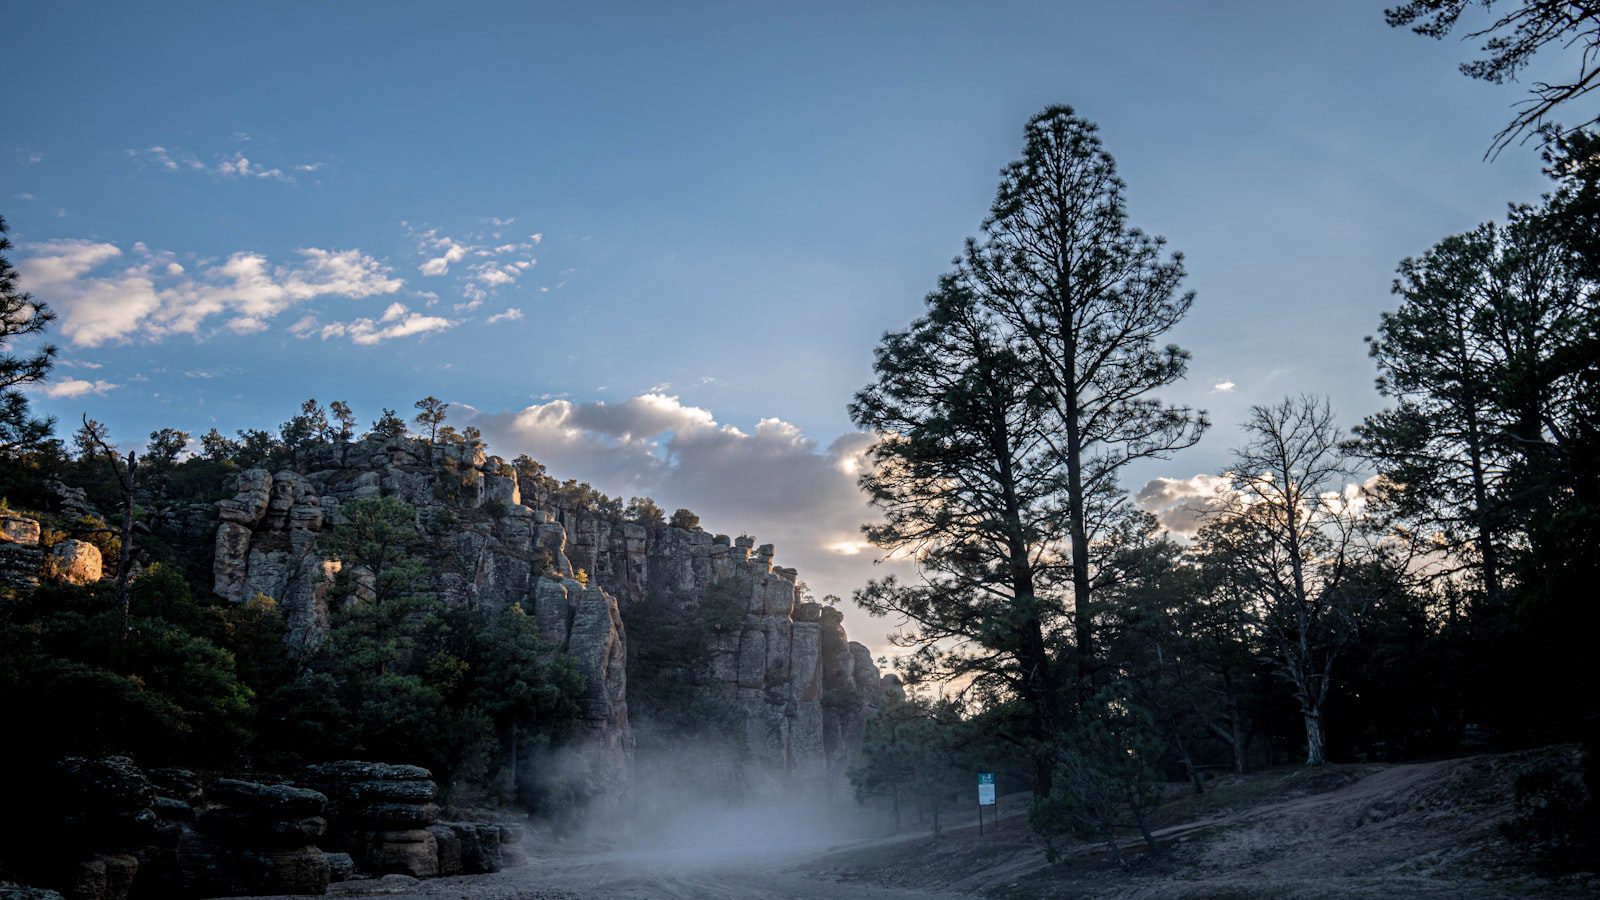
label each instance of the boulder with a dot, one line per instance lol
(409, 791)
(449, 844)
(105, 802)
(75, 562)
(104, 876)
(19, 530)
(355, 770)
(20, 565)
(18, 892)
(480, 846)
(413, 852)
(340, 867)
(274, 800)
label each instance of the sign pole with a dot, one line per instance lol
(986, 797)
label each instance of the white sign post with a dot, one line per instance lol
(985, 797)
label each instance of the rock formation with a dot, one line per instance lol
(804, 690)
(24, 558)
(111, 831)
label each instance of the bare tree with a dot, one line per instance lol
(1296, 534)
(125, 470)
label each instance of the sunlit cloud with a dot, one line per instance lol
(77, 387)
(107, 296)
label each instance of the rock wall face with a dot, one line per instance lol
(804, 690)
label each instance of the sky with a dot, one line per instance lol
(653, 245)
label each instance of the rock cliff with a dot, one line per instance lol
(803, 689)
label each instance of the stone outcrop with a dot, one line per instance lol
(381, 815)
(803, 690)
(20, 554)
(110, 831)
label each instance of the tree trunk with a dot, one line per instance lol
(1189, 764)
(125, 552)
(1316, 751)
(1241, 743)
(1144, 827)
(1116, 850)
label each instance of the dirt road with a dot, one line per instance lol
(635, 876)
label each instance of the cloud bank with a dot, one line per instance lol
(771, 481)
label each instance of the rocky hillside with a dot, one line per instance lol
(803, 690)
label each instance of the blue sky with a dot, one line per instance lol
(701, 216)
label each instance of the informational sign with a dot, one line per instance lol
(985, 788)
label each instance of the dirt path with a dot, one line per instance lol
(634, 876)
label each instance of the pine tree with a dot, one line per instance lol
(1090, 298)
(968, 487)
(21, 316)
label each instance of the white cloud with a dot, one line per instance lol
(495, 276)
(396, 322)
(240, 167)
(479, 280)
(234, 166)
(510, 315)
(77, 387)
(440, 265)
(25, 196)
(1223, 387)
(153, 297)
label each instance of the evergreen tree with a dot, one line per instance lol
(1439, 449)
(967, 483)
(21, 316)
(389, 425)
(430, 415)
(1090, 298)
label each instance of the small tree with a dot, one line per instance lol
(683, 518)
(1107, 777)
(644, 511)
(908, 754)
(161, 453)
(305, 430)
(430, 415)
(216, 447)
(344, 426)
(389, 425)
